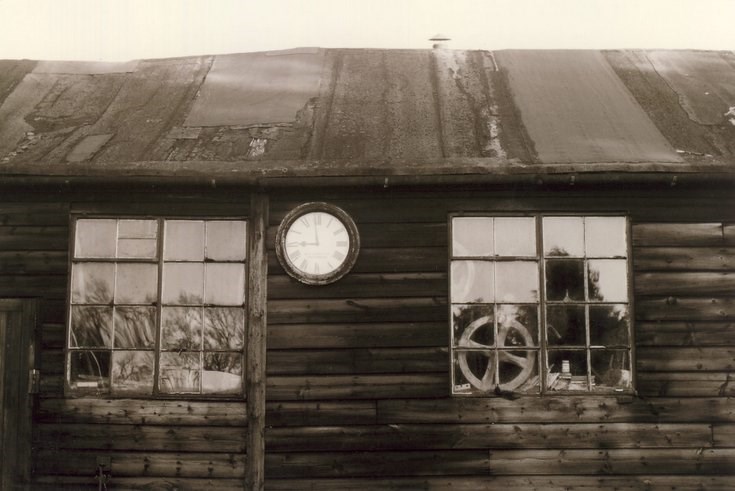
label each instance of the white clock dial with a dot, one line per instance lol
(317, 243)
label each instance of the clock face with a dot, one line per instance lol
(317, 243)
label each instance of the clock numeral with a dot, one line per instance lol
(292, 244)
(318, 219)
(304, 265)
(338, 255)
(305, 222)
(316, 268)
(329, 223)
(342, 243)
(295, 255)
(340, 231)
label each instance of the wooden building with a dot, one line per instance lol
(521, 273)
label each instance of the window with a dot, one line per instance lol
(540, 304)
(157, 306)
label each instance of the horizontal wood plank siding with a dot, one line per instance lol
(357, 386)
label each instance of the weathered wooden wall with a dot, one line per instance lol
(357, 372)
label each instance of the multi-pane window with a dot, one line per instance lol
(540, 304)
(157, 306)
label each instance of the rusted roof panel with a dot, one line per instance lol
(257, 88)
(577, 110)
(360, 113)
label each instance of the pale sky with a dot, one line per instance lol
(115, 30)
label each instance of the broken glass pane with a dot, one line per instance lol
(567, 371)
(224, 328)
(136, 283)
(183, 240)
(224, 284)
(92, 283)
(517, 325)
(91, 327)
(608, 280)
(565, 325)
(563, 236)
(89, 370)
(518, 371)
(516, 281)
(226, 240)
(473, 325)
(222, 373)
(138, 229)
(180, 372)
(183, 283)
(609, 325)
(135, 327)
(132, 372)
(472, 236)
(95, 238)
(137, 248)
(606, 236)
(515, 236)
(472, 282)
(181, 328)
(565, 279)
(477, 368)
(611, 370)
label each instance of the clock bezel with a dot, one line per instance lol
(317, 279)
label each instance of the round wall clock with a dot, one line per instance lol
(317, 243)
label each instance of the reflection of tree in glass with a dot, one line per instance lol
(132, 367)
(224, 328)
(509, 316)
(557, 251)
(134, 327)
(91, 327)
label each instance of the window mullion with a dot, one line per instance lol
(159, 310)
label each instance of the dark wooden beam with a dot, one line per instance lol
(255, 364)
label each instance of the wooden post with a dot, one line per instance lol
(255, 362)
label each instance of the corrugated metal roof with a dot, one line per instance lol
(315, 112)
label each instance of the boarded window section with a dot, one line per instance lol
(157, 307)
(540, 304)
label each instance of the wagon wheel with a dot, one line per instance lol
(487, 382)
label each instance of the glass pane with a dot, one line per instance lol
(473, 326)
(225, 284)
(91, 327)
(181, 328)
(472, 282)
(567, 370)
(180, 372)
(515, 236)
(472, 236)
(135, 327)
(563, 236)
(132, 372)
(516, 281)
(608, 280)
(222, 373)
(136, 283)
(517, 325)
(605, 236)
(137, 248)
(476, 368)
(184, 240)
(611, 370)
(566, 325)
(95, 238)
(137, 229)
(224, 328)
(183, 283)
(92, 282)
(89, 370)
(609, 325)
(518, 371)
(226, 240)
(565, 280)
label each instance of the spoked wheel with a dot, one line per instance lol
(487, 381)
